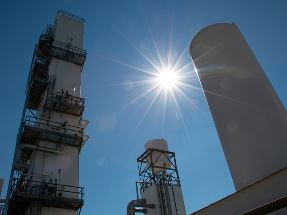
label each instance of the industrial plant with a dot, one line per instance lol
(159, 183)
(45, 171)
(251, 122)
(250, 119)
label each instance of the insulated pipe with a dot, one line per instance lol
(133, 205)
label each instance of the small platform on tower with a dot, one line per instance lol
(66, 103)
(26, 190)
(41, 129)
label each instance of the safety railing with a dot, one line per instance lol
(70, 47)
(45, 42)
(40, 69)
(48, 47)
(71, 15)
(37, 82)
(40, 189)
(48, 33)
(65, 102)
(52, 125)
(68, 52)
(68, 99)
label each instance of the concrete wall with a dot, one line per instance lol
(249, 117)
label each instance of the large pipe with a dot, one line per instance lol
(138, 205)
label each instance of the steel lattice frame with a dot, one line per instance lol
(147, 165)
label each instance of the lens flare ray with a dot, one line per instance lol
(166, 79)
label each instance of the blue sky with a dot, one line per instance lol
(116, 32)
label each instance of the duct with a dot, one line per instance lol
(138, 205)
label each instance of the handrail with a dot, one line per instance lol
(48, 33)
(59, 44)
(68, 97)
(62, 50)
(37, 122)
(65, 102)
(71, 15)
(41, 65)
(41, 188)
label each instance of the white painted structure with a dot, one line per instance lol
(174, 196)
(166, 195)
(46, 163)
(249, 117)
(63, 164)
(161, 161)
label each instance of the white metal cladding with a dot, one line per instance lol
(64, 165)
(68, 76)
(58, 162)
(159, 159)
(249, 117)
(175, 197)
(69, 30)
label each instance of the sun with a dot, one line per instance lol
(164, 81)
(167, 78)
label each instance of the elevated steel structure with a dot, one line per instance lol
(51, 128)
(159, 189)
(151, 172)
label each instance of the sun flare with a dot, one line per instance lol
(167, 78)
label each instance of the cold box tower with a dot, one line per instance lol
(159, 184)
(45, 172)
(249, 117)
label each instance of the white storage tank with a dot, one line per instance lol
(160, 184)
(159, 159)
(249, 117)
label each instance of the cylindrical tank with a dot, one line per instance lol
(249, 117)
(160, 144)
(159, 159)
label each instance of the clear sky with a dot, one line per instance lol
(121, 37)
